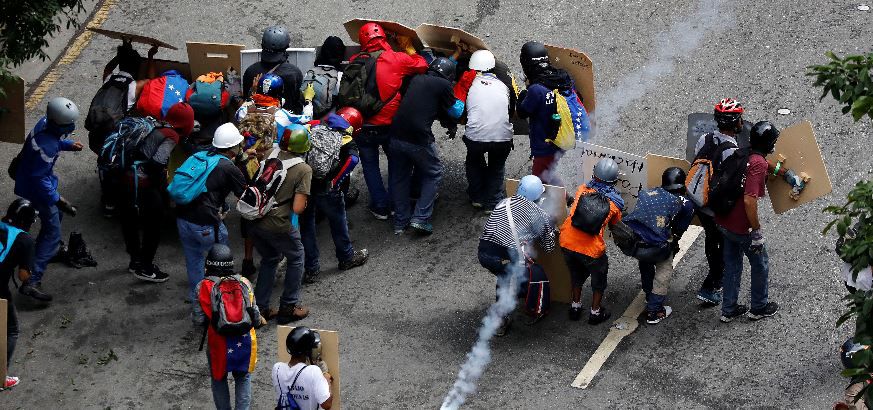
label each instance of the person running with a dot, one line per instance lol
(16, 259)
(36, 181)
(274, 59)
(304, 382)
(413, 147)
(585, 253)
(661, 216)
(499, 244)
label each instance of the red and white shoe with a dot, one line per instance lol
(11, 382)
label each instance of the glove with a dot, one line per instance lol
(309, 93)
(757, 245)
(66, 207)
(405, 44)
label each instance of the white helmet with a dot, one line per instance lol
(62, 111)
(226, 136)
(482, 60)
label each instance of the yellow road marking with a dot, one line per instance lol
(628, 322)
(70, 55)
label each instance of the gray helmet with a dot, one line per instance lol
(606, 170)
(273, 44)
(62, 111)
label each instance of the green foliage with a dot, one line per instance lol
(857, 212)
(848, 81)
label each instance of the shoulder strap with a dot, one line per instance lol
(288, 163)
(512, 227)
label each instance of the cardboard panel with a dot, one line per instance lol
(329, 352)
(136, 38)
(555, 204)
(392, 28)
(580, 67)
(798, 145)
(445, 38)
(12, 113)
(631, 168)
(303, 58)
(656, 164)
(164, 65)
(703, 123)
(213, 57)
(3, 312)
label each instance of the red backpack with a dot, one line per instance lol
(159, 94)
(232, 310)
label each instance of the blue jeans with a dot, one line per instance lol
(485, 176)
(425, 161)
(242, 386)
(196, 242)
(332, 205)
(369, 141)
(734, 247)
(655, 278)
(272, 246)
(48, 241)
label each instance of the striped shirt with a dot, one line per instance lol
(531, 222)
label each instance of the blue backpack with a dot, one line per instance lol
(122, 143)
(189, 181)
(11, 233)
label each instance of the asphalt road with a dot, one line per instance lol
(408, 318)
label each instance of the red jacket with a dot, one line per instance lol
(391, 68)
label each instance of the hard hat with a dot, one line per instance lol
(274, 43)
(531, 187)
(482, 60)
(370, 31)
(227, 136)
(673, 180)
(219, 260)
(21, 214)
(444, 67)
(352, 116)
(606, 170)
(61, 111)
(295, 139)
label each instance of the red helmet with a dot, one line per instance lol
(729, 106)
(353, 116)
(729, 114)
(370, 31)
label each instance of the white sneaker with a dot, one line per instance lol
(11, 382)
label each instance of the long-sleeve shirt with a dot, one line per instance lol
(391, 68)
(532, 224)
(35, 178)
(428, 97)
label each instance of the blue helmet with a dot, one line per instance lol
(272, 85)
(531, 187)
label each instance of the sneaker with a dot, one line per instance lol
(134, 266)
(768, 310)
(380, 214)
(358, 258)
(35, 291)
(248, 268)
(653, 318)
(600, 317)
(505, 325)
(310, 276)
(421, 228)
(288, 314)
(738, 311)
(709, 297)
(352, 197)
(575, 313)
(10, 382)
(151, 274)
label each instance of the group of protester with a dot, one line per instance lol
(286, 151)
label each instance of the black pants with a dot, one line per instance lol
(713, 247)
(492, 257)
(485, 177)
(141, 219)
(11, 329)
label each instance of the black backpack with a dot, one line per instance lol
(729, 182)
(358, 87)
(591, 213)
(108, 106)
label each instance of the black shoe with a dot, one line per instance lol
(108, 210)
(358, 258)
(288, 314)
(505, 325)
(575, 313)
(311, 276)
(77, 252)
(738, 311)
(352, 197)
(151, 274)
(35, 291)
(768, 310)
(653, 318)
(61, 255)
(380, 214)
(600, 317)
(248, 269)
(134, 266)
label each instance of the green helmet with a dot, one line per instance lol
(295, 139)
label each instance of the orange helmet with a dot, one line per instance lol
(352, 116)
(370, 31)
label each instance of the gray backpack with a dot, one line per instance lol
(323, 80)
(324, 154)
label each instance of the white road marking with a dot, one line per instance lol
(628, 321)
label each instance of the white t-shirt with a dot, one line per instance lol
(131, 88)
(310, 390)
(488, 110)
(865, 278)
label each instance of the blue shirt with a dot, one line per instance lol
(660, 214)
(35, 179)
(539, 105)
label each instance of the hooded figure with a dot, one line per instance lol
(332, 52)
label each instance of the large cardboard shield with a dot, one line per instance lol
(703, 123)
(632, 170)
(136, 38)
(798, 145)
(655, 167)
(213, 57)
(444, 38)
(329, 353)
(12, 112)
(392, 28)
(302, 57)
(580, 67)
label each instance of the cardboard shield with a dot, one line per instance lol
(657, 164)
(445, 38)
(164, 65)
(136, 38)
(303, 58)
(632, 170)
(213, 57)
(700, 124)
(580, 67)
(798, 145)
(12, 112)
(392, 28)
(329, 353)
(555, 204)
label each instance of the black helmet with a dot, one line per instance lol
(303, 341)
(219, 261)
(763, 137)
(673, 180)
(444, 67)
(534, 54)
(21, 214)
(274, 44)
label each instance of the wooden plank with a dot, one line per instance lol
(12, 111)
(798, 145)
(580, 67)
(329, 353)
(136, 38)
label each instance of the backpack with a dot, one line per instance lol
(122, 144)
(574, 125)
(108, 106)
(286, 399)
(729, 182)
(232, 310)
(698, 182)
(259, 197)
(324, 154)
(189, 180)
(11, 233)
(538, 298)
(591, 213)
(208, 95)
(259, 125)
(159, 94)
(358, 87)
(323, 80)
